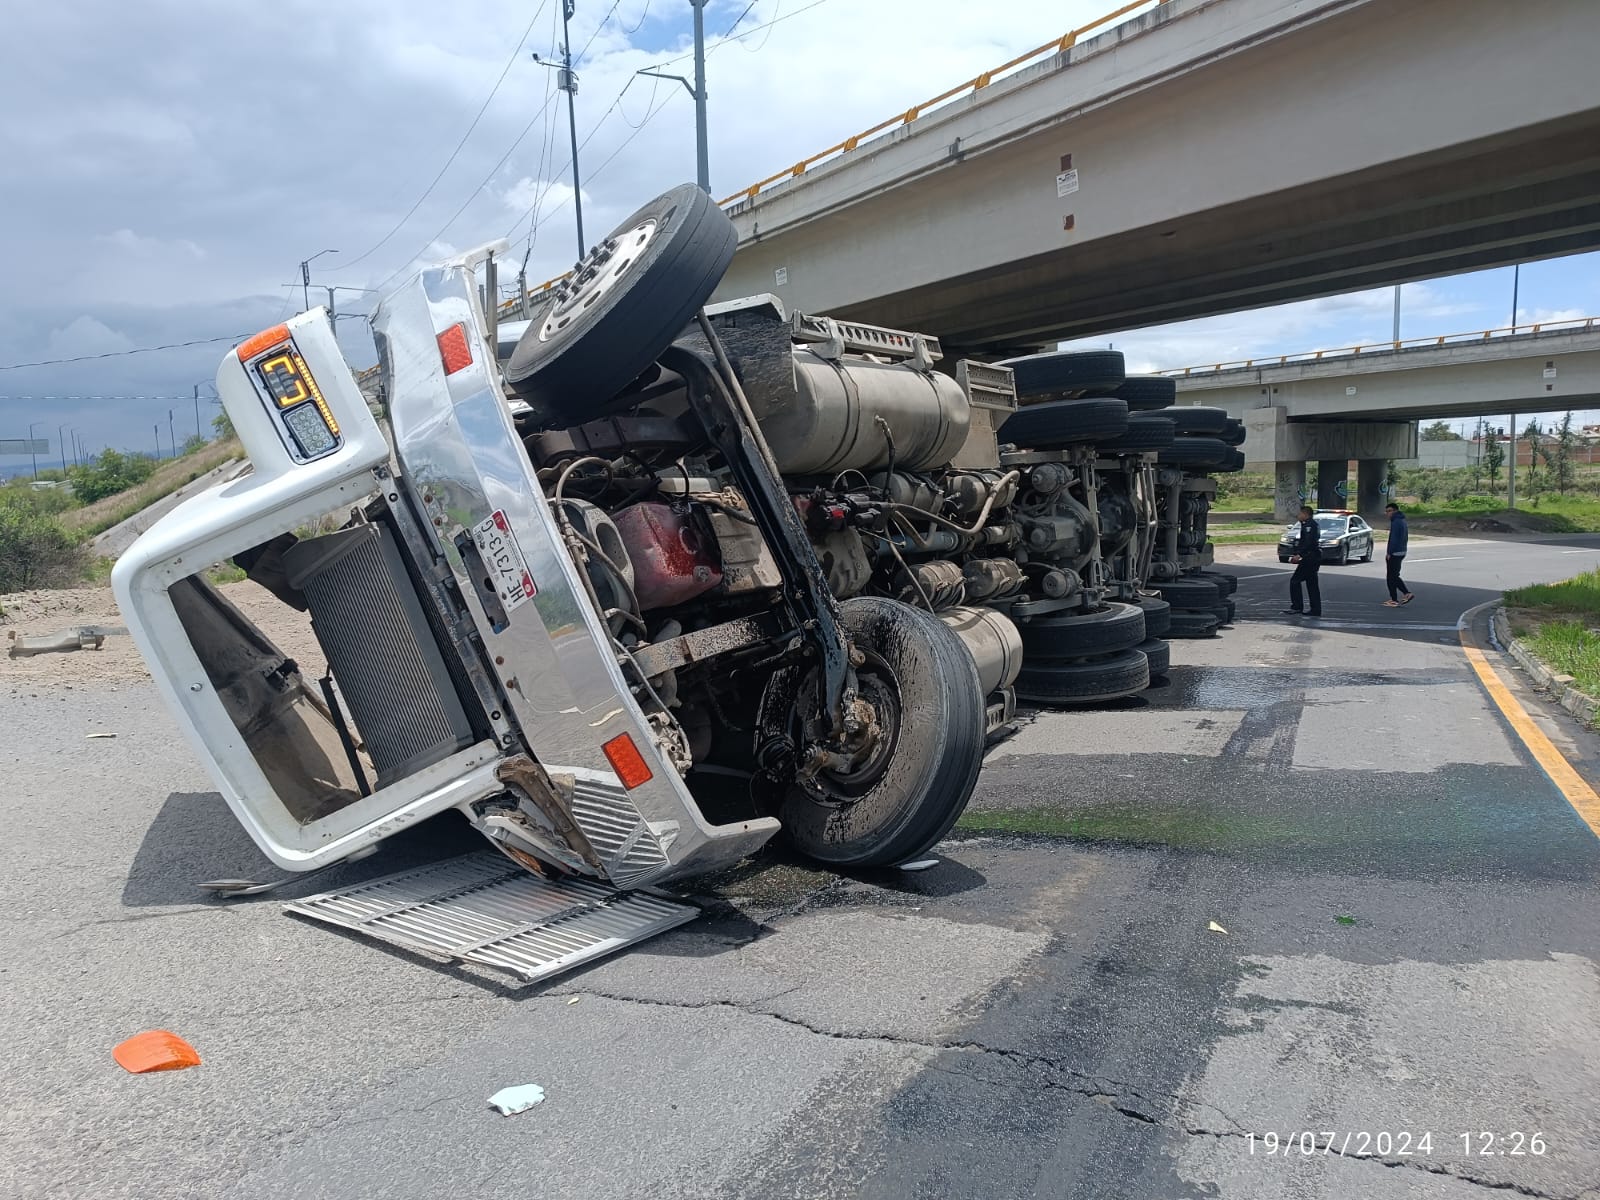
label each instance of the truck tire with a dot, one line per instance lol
(1189, 592)
(1065, 422)
(1227, 585)
(1233, 434)
(1235, 462)
(1224, 612)
(1147, 393)
(924, 688)
(1146, 431)
(1157, 616)
(1189, 623)
(1201, 453)
(1159, 655)
(628, 299)
(1197, 418)
(1091, 682)
(1056, 637)
(1057, 371)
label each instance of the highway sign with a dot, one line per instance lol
(24, 446)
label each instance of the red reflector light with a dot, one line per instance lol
(626, 761)
(267, 339)
(454, 348)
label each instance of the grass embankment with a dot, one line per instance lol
(1548, 513)
(1557, 622)
(163, 481)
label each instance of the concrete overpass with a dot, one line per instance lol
(1363, 402)
(1205, 156)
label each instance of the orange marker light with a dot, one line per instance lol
(266, 340)
(626, 761)
(454, 348)
(155, 1050)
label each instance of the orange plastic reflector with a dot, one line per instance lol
(626, 761)
(155, 1050)
(455, 349)
(266, 340)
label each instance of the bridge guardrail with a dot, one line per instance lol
(978, 82)
(1575, 325)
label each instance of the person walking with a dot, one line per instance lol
(1395, 556)
(1308, 559)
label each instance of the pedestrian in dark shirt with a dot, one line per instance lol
(1399, 535)
(1308, 557)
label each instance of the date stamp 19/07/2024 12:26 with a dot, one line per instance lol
(1398, 1143)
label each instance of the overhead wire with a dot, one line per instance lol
(51, 362)
(428, 191)
(493, 171)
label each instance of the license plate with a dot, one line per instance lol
(503, 557)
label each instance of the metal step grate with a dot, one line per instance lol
(483, 908)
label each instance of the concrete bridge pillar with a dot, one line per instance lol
(1289, 481)
(1330, 474)
(1370, 475)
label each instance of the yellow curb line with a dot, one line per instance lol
(1571, 785)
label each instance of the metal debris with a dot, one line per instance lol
(85, 637)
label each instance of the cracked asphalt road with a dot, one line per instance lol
(1410, 951)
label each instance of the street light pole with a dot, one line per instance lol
(1516, 279)
(61, 439)
(697, 90)
(568, 82)
(305, 276)
(1397, 314)
(32, 450)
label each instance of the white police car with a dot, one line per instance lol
(1342, 534)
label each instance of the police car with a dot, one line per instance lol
(1342, 534)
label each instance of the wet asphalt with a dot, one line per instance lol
(1407, 926)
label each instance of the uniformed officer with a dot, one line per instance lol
(1308, 559)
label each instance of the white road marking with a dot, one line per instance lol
(1585, 550)
(1449, 558)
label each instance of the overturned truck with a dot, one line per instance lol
(637, 585)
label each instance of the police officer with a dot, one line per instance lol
(1308, 557)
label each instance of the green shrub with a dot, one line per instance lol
(110, 473)
(36, 550)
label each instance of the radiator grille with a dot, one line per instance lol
(380, 648)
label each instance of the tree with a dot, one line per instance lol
(1494, 455)
(1561, 461)
(108, 474)
(1534, 434)
(223, 424)
(1440, 432)
(192, 443)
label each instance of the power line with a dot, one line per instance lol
(506, 70)
(52, 362)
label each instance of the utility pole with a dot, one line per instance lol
(157, 428)
(61, 439)
(197, 410)
(1511, 499)
(172, 437)
(1516, 278)
(32, 450)
(1397, 315)
(697, 90)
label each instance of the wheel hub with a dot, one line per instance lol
(606, 265)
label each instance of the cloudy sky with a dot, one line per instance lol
(171, 162)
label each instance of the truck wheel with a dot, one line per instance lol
(1189, 592)
(1091, 682)
(1080, 635)
(1198, 418)
(1227, 585)
(1058, 371)
(1194, 452)
(1233, 434)
(621, 307)
(913, 784)
(1159, 655)
(1146, 431)
(1157, 616)
(1193, 623)
(1146, 393)
(1065, 422)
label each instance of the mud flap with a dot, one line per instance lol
(484, 908)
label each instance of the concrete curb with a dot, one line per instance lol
(1560, 687)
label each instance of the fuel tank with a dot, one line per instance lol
(830, 421)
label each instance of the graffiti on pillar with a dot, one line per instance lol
(1343, 489)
